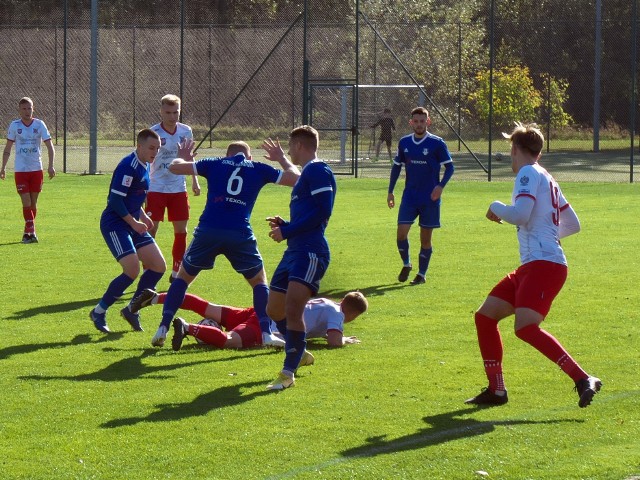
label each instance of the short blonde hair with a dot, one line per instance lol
(355, 302)
(526, 137)
(171, 100)
(235, 148)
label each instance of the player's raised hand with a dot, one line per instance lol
(275, 153)
(184, 150)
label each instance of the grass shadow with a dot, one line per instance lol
(59, 308)
(444, 427)
(200, 406)
(372, 291)
(10, 243)
(132, 368)
(77, 340)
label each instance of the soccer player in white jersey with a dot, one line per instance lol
(28, 133)
(169, 191)
(423, 156)
(543, 216)
(323, 318)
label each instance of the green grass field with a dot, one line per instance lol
(80, 404)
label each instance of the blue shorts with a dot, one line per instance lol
(427, 210)
(240, 248)
(307, 268)
(123, 241)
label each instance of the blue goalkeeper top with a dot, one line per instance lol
(312, 200)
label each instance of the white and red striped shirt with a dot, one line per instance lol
(162, 180)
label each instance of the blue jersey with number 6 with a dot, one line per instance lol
(233, 187)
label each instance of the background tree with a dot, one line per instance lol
(514, 97)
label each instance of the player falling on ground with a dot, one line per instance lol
(422, 154)
(307, 256)
(28, 133)
(169, 191)
(323, 318)
(125, 228)
(234, 183)
(543, 216)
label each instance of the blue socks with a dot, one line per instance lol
(295, 343)
(260, 297)
(115, 290)
(173, 301)
(403, 250)
(423, 260)
(282, 326)
(149, 279)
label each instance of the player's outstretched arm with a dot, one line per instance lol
(335, 339)
(517, 214)
(184, 164)
(275, 153)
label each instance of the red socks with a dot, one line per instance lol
(191, 302)
(209, 335)
(491, 349)
(546, 344)
(29, 215)
(179, 247)
(195, 304)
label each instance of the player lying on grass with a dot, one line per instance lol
(324, 318)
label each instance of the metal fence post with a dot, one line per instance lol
(93, 109)
(491, 62)
(133, 75)
(634, 65)
(597, 77)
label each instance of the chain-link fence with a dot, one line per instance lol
(337, 66)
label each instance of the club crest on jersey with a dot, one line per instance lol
(163, 141)
(19, 130)
(425, 151)
(182, 138)
(406, 150)
(524, 180)
(35, 130)
(126, 180)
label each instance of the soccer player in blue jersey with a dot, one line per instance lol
(125, 227)
(224, 229)
(423, 156)
(306, 258)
